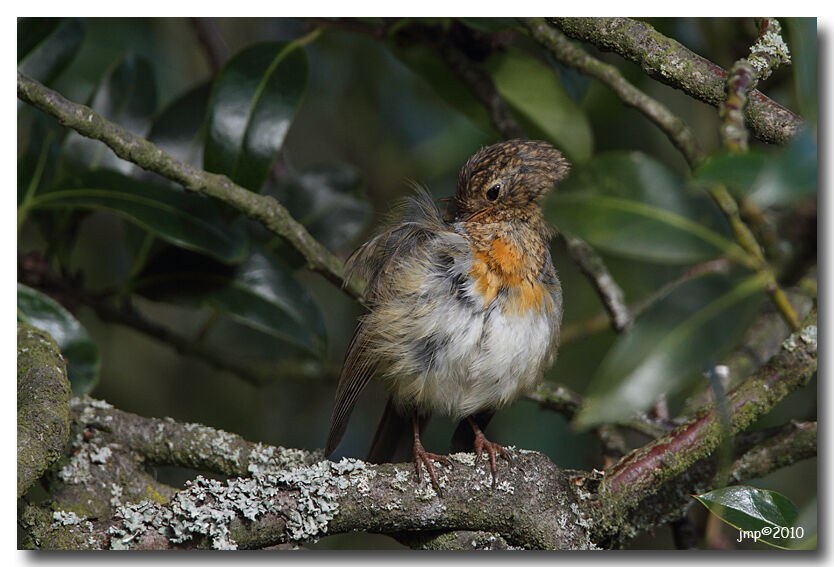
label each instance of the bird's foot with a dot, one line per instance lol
(483, 444)
(421, 456)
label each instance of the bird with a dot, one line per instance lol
(464, 308)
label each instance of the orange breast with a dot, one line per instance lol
(503, 265)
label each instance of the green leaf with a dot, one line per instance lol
(629, 175)
(637, 230)
(328, 201)
(80, 352)
(183, 219)
(803, 45)
(45, 46)
(755, 510)
(780, 177)
(179, 130)
(261, 293)
(533, 91)
(669, 345)
(424, 62)
(126, 96)
(252, 105)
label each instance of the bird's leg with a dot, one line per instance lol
(481, 443)
(421, 456)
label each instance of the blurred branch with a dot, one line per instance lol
(261, 208)
(483, 88)
(43, 392)
(572, 56)
(646, 470)
(766, 54)
(669, 62)
(593, 267)
(567, 402)
(774, 450)
(599, 322)
(212, 41)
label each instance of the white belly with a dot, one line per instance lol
(467, 360)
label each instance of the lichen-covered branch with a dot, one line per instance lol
(261, 208)
(766, 54)
(573, 56)
(43, 393)
(673, 64)
(104, 498)
(293, 505)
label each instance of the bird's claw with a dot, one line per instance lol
(481, 444)
(421, 456)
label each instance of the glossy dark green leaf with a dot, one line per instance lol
(533, 91)
(179, 130)
(183, 219)
(45, 47)
(261, 293)
(80, 352)
(628, 175)
(669, 346)
(756, 510)
(328, 200)
(126, 96)
(39, 156)
(777, 177)
(252, 104)
(634, 229)
(424, 62)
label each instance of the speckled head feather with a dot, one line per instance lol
(507, 178)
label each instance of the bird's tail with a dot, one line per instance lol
(394, 439)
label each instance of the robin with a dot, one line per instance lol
(464, 311)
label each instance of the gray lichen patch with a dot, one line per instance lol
(64, 518)
(266, 459)
(806, 336)
(769, 51)
(207, 507)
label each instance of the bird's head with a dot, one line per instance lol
(506, 180)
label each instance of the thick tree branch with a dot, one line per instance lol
(673, 64)
(261, 208)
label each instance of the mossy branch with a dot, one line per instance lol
(43, 393)
(261, 208)
(645, 470)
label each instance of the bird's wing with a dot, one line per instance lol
(357, 370)
(402, 243)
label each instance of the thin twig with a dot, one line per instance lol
(573, 56)
(213, 43)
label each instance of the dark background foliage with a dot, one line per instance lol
(334, 124)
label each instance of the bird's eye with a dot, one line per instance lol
(493, 192)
